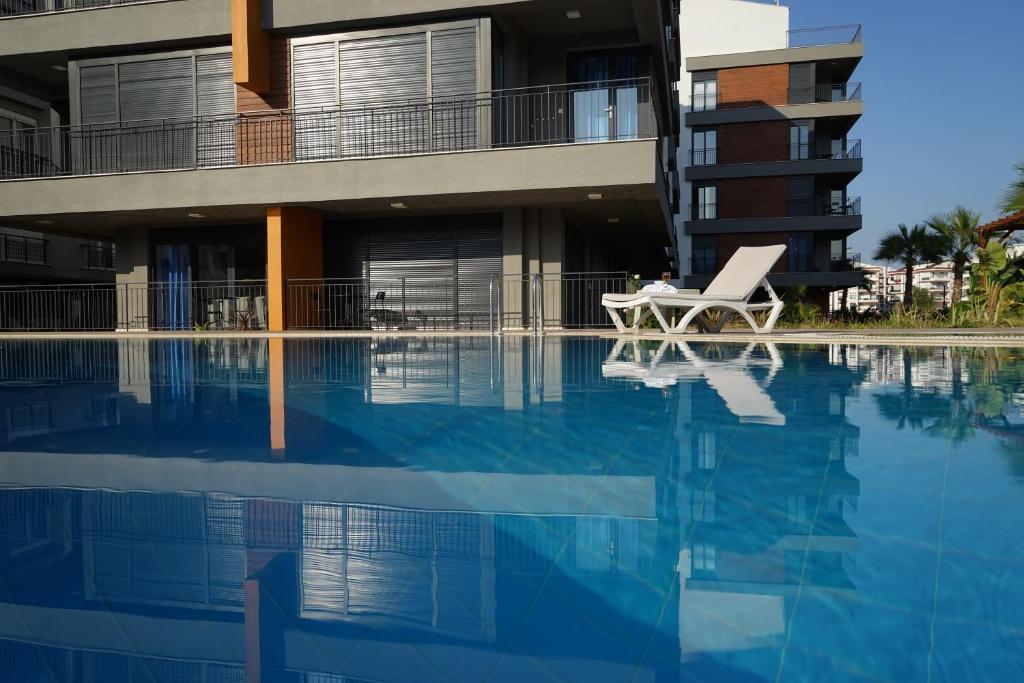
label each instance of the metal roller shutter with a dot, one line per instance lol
(157, 99)
(801, 83)
(215, 89)
(453, 81)
(315, 86)
(382, 86)
(96, 152)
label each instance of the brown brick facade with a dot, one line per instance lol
(263, 135)
(752, 86)
(743, 143)
(753, 197)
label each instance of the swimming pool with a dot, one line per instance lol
(476, 509)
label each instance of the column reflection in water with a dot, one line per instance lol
(388, 509)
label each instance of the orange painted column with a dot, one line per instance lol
(250, 46)
(294, 252)
(276, 398)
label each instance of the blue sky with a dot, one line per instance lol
(943, 104)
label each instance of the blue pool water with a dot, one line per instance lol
(320, 511)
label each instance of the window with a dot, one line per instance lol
(837, 249)
(705, 93)
(705, 147)
(799, 253)
(839, 148)
(800, 141)
(705, 205)
(837, 202)
(608, 99)
(705, 255)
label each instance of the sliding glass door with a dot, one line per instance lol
(607, 96)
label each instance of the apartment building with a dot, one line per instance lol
(259, 150)
(767, 144)
(886, 287)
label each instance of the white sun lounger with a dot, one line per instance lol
(745, 273)
(743, 395)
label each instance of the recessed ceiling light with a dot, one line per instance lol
(197, 215)
(44, 222)
(573, 14)
(399, 205)
(59, 67)
(613, 220)
(595, 195)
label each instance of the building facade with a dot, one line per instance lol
(886, 285)
(243, 153)
(767, 144)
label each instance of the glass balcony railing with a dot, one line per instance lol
(825, 35)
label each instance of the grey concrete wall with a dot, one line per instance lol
(837, 224)
(776, 168)
(113, 26)
(781, 113)
(281, 14)
(631, 166)
(818, 53)
(63, 260)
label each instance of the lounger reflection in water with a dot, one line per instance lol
(731, 379)
(730, 292)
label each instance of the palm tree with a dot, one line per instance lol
(1013, 199)
(911, 247)
(959, 232)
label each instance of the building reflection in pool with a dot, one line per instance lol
(306, 510)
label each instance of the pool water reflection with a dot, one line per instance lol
(509, 510)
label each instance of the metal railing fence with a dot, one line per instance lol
(13, 8)
(827, 92)
(825, 35)
(598, 111)
(451, 303)
(240, 305)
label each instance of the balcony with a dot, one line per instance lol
(844, 265)
(845, 161)
(825, 35)
(10, 8)
(600, 111)
(827, 92)
(840, 218)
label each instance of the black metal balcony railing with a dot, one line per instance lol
(19, 249)
(546, 115)
(828, 92)
(851, 207)
(10, 8)
(703, 212)
(825, 35)
(706, 102)
(707, 156)
(805, 151)
(845, 264)
(97, 258)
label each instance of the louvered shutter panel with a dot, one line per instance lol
(157, 100)
(216, 105)
(801, 195)
(315, 88)
(478, 260)
(453, 77)
(801, 83)
(382, 89)
(423, 258)
(94, 150)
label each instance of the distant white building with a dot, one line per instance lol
(886, 287)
